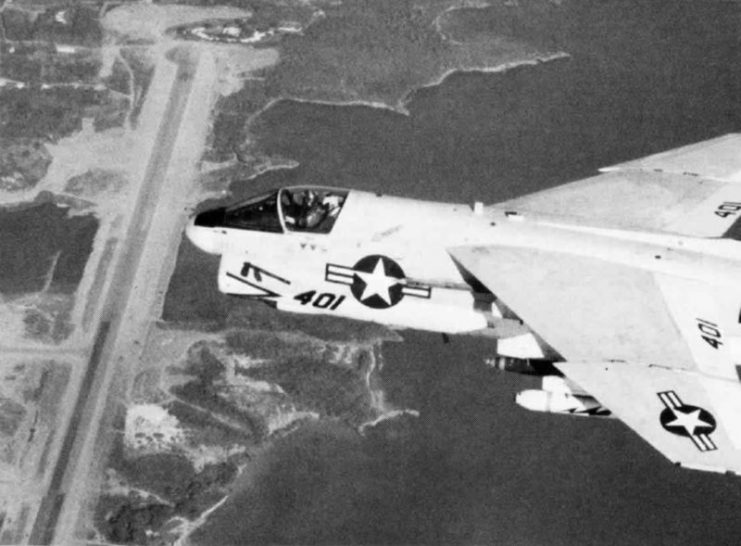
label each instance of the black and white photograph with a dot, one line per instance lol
(370, 272)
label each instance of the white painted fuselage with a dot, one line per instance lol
(386, 260)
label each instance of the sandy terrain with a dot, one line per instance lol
(153, 167)
(141, 182)
(148, 22)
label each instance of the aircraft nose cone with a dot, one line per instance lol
(210, 218)
(201, 230)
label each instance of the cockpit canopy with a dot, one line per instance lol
(258, 213)
(309, 209)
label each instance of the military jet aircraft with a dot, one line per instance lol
(622, 290)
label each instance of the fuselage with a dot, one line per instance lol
(385, 259)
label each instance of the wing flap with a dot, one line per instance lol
(673, 410)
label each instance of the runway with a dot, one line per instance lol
(129, 299)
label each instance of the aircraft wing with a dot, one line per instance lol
(627, 338)
(676, 412)
(694, 190)
(619, 317)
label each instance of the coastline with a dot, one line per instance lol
(400, 106)
(500, 68)
(264, 163)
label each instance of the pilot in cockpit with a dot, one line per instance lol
(301, 210)
(313, 211)
(306, 210)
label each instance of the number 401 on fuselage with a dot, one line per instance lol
(354, 254)
(626, 284)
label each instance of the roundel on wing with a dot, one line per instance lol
(685, 420)
(378, 282)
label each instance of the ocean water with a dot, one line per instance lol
(643, 77)
(474, 468)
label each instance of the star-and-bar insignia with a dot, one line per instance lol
(690, 421)
(376, 281)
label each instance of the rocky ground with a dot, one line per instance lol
(31, 395)
(204, 404)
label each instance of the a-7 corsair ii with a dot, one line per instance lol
(621, 289)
